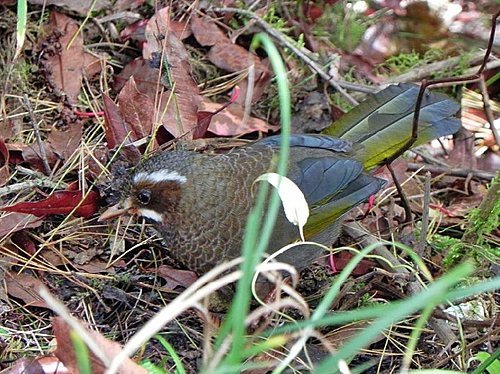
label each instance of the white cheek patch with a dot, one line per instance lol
(159, 176)
(151, 214)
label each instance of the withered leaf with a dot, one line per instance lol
(65, 350)
(13, 222)
(25, 287)
(206, 33)
(229, 122)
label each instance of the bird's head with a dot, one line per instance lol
(149, 194)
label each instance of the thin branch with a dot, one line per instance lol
(421, 72)
(420, 248)
(402, 195)
(487, 108)
(36, 129)
(456, 172)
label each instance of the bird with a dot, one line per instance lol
(198, 202)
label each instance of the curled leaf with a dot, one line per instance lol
(60, 202)
(294, 202)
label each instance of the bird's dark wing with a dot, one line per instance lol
(317, 141)
(321, 178)
(359, 190)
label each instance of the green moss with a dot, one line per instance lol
(341, 26)
(484, 226)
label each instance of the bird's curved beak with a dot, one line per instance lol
(117, 210)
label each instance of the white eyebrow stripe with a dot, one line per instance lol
(151, 214)
(159, 176)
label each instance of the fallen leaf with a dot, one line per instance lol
(25, 287)
(117, 131)
(63, 62)
(135, 31)
(233, 58)
(65, 142)
(22, 240)
(131, 119)
(204, 118)
(341, 259)
(181, 115)
(66, 352)
(81, 7)
(341, 335)
(7, 127)
(137, 110)
(4, 163)
(37, 365)
(95, 266)
(122, 5)
(32, 155)
(175, 277)
(206, 33)
(145, 77)
(229, 122)
(64, 65)
(60, 202)
(13, 222)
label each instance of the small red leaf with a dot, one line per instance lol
(60, 202)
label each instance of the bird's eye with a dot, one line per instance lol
(144, 196)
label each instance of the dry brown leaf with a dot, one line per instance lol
(341, 335)
(31, 154)
(96, 266)
(82, 7)
(122, 5)
(65, 65)
(206, 33)
(137, 110)
(12, 222)
(38, 365)
(181, 114)
(4, 162)
(65, 142)
(65, 350)
(25, 287)
(175, 277)
(229, 122)
(145, 77)
(232, 57)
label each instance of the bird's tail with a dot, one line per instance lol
(382, 124)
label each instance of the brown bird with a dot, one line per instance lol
(198, 203)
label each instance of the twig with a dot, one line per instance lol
(402, 195)
(487, 108)
(420, 248)
(456, 172)
(478, 341)
(16, 187)
(419, 73)
(304, 54)
(36, 129)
